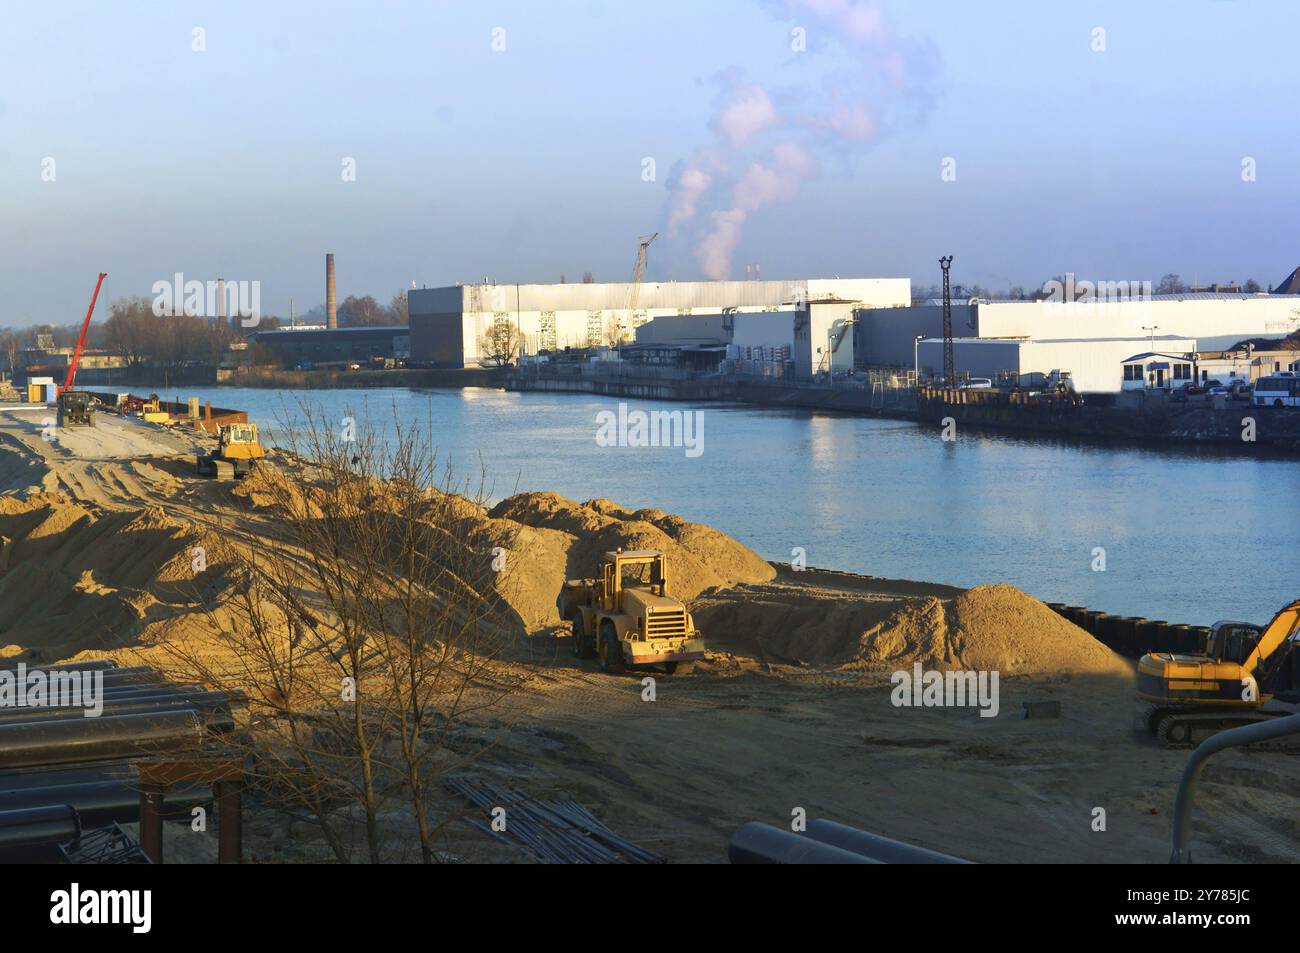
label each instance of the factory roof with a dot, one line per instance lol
(1290, 285)
(372, 329)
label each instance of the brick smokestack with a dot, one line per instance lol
(331, 300)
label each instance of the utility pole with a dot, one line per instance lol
(949, 375)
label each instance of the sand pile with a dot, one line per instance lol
(989, 628)
(699, 557)
(73, 576)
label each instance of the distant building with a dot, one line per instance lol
(1095, 364)
(1290, 285)
(335, 346)
(447, 324)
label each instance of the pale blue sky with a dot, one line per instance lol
(526, 164)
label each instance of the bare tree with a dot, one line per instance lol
(397, 313)
(368, 625)
(357, 312)
(500, 343)
(1170, 284)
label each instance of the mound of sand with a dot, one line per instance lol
(73, 576)
(988, 628)
(552, 539)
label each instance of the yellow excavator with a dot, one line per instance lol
(1242, 669)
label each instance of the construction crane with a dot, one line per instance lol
(70, 381)
(637, 273)
(949, 375)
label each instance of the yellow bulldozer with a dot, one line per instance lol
(626, 617)
(1241, 670)
(236, 452)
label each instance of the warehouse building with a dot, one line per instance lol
(887, 336)
(322, 347)
(1096, 365)
(449, 324)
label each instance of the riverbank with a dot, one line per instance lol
(793, 707)
(1236, 427)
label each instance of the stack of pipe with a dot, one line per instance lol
(63, 756)
(825, 842)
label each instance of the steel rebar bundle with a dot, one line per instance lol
(553, 832)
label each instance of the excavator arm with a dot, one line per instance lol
(1284, 625)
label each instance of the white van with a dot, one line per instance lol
(1278, 390)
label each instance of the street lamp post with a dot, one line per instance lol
(916, 359)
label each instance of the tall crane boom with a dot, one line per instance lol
(70, 380)
(637, 273)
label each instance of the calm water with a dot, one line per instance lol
(1187, 537)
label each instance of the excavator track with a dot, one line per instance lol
(1186, 729)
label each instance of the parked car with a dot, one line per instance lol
(1218, 390)
(1242, 390)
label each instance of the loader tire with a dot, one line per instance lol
(582, 647)
(611, 651)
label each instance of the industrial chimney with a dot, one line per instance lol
(331, 301)
(221, 300)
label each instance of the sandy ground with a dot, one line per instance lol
(753, 735)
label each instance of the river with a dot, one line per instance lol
(1183, 536)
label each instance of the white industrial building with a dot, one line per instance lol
(1085, 338)
(1095, 364)
(815, 335)
(448, 324)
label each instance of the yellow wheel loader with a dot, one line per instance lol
(626, 617)
(1242, 669)
(237, 450)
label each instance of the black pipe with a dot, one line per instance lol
(881, 849)
(44, 824)
(70, 774)
(757, 843)
(218, 716)
(98, 739)
(157, 696)
(104, 802)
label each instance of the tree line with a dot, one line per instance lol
(133, 332)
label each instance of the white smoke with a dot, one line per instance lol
(766, 143)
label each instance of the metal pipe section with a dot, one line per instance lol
(51, 823)
(99, 739)
(101, 803)
(1233, 737)
(882, 850)
(156, 694)
(758, 843)
(218, 716)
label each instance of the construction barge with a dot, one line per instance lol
(205, 418)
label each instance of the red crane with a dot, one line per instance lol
(70, 380)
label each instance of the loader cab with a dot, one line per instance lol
(634, 569)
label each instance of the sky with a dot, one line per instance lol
(523, 141)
